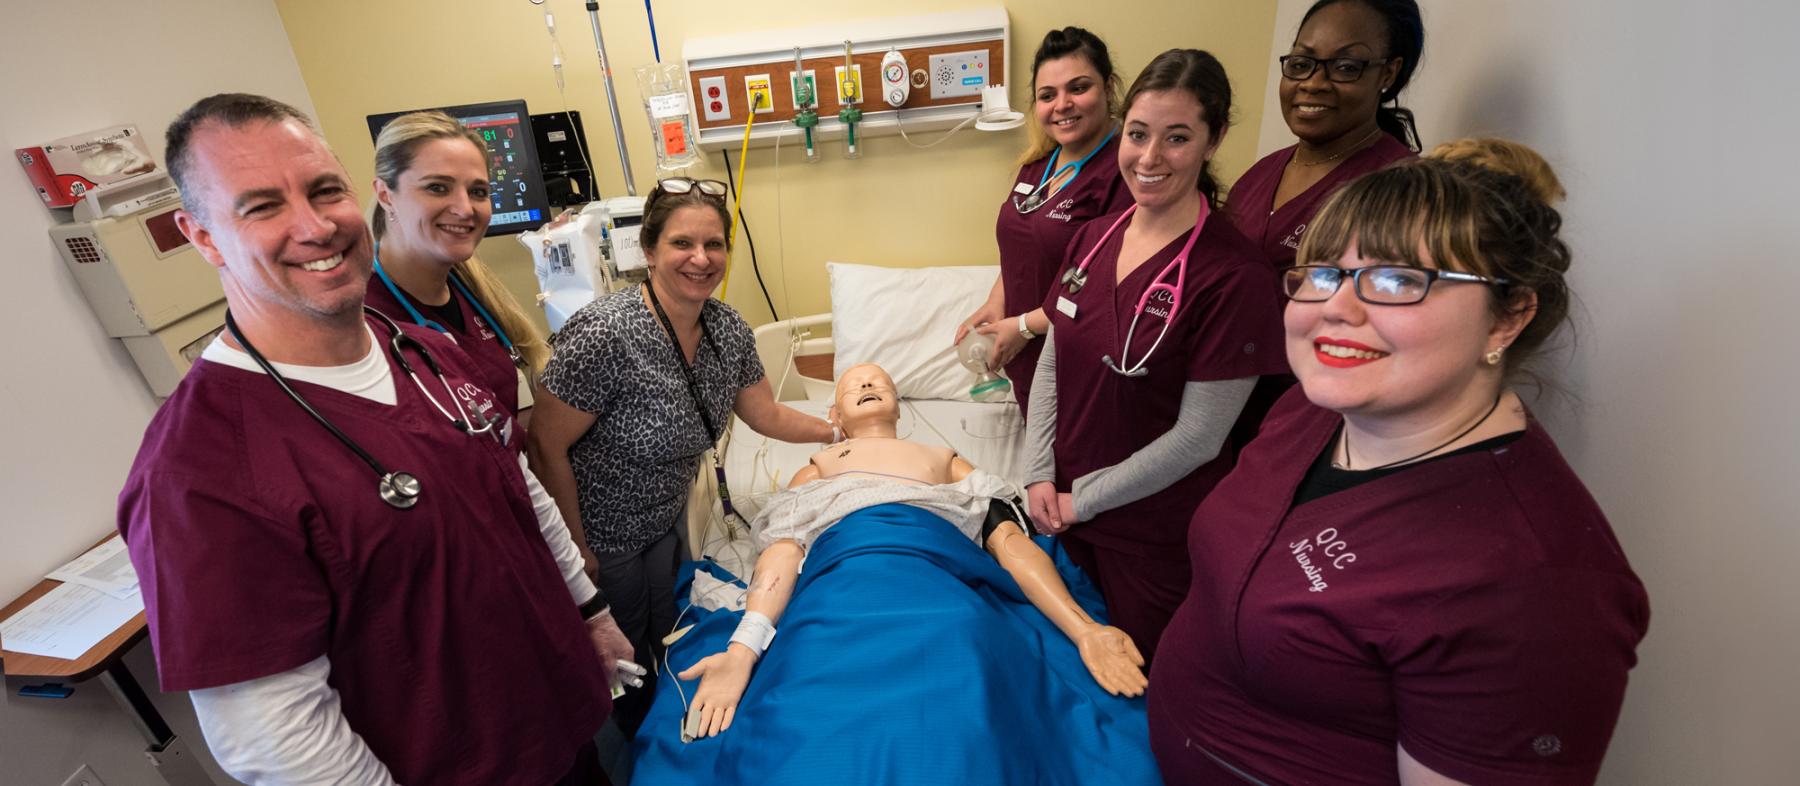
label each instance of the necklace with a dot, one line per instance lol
(1446, 443)
(1295, 160)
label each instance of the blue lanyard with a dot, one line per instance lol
(420, 320)
(1047, 177)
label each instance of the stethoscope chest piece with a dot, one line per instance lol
(399, 489)
(1074, 279)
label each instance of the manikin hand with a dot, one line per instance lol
(723, 677)
(1113, 659)
(989, 312)
(1007, 342)
(615, 650)
(1045, 510)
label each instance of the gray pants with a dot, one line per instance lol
(640, 586)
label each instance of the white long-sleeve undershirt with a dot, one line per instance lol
(289, 728)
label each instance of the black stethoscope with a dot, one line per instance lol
(1035, 198)
(455, 281)
(398, 489)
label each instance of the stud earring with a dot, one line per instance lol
(1493, 356)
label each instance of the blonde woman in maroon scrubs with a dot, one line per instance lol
(1066, 179)
(1350, 60)
(1161, 324)
(1403, 581)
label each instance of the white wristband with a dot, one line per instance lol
(1025, 330)
(754, 631)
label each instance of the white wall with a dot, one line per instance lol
(1671, 124)
(75, 405)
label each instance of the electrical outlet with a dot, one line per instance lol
(713, 101)
(812, 83)
(854, 83)
(758, 95)
(84, 777)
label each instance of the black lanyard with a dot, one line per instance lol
(693, 382)
(693, 385)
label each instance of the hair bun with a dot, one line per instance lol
(1506, 157)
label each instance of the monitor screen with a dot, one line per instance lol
(516, 186)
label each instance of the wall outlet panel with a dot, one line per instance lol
(715, 103)
(838, 80)
(958, 74)
(812, 81)
(758, 85)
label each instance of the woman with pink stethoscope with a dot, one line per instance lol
(1161, 323)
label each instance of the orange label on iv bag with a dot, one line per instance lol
(674, 140)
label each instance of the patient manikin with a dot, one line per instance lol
(867, 408)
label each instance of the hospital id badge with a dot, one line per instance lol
(1066, 306)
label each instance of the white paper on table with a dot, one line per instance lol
(66, 622)
(106, 567)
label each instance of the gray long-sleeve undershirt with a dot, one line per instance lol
(1208, 412)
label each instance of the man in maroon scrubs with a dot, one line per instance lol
(327, 633)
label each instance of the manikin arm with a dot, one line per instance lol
(724, 676)
(1107, 652)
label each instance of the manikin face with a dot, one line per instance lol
(1166, 144)
(689, 258)
(1385, 361)
(1070, 104)
(865, 394)
(281, 222)
(1319, 110)
(439, 207)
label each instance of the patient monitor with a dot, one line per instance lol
(147, 284)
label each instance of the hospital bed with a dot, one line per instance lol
(901, 319)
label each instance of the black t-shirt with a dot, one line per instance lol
(1322, 479)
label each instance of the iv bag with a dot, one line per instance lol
(566, 258)
(664, 87)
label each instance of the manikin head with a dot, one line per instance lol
(866, 403)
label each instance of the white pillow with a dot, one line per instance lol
(903, 319)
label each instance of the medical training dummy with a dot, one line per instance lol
(872, 466)
(901, 630)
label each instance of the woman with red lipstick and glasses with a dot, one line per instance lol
(641, 385)
(1066, 179)
(1161, 323)
(1402, 581)
(432, 209)
(1348, 63)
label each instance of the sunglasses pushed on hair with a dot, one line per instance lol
(683, 185)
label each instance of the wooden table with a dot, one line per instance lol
(168, 753)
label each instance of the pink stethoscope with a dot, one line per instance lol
(1076, 278)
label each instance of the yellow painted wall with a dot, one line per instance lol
(896, 206)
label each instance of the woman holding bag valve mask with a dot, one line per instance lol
(1162, 322)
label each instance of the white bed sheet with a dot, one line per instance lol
(987, 435)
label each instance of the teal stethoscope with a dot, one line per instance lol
(1076, 278)
(455, 281)
(1036, 198)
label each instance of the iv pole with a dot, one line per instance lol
(612, 101)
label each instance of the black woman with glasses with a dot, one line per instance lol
(1402, 581)
(639, 387)
(1348, 64)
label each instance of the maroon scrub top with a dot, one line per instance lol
(1476, 609)
(478, 339)
(1276, 233)
(262, 544)
(1032, 245)
(1228, 327)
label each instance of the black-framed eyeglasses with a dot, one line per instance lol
(1337, 69)
(1382, 285)
(682, 185)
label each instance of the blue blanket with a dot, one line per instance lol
(907, 656)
